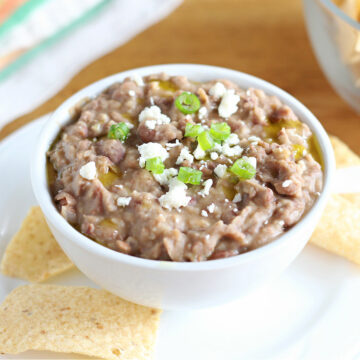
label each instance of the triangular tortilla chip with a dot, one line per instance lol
(78, 320)
(33, 253)
(344, 156)
(339, 228)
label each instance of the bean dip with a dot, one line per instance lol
(165, 168)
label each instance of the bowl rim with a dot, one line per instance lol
(56, 121)
(335, 10)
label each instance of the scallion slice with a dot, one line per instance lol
(220, 131)
(119, 131)
(193, 130)
(189, 175)
(243, 169)
(205, 140)
(187, 103)
(155, 165)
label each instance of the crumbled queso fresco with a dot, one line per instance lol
(162, 167)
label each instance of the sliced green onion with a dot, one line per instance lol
(187, 103)
(189, 175)
(119, 131)
(155, 165)
(193, 130)
(243, 169)
(220, 131)
(205, 141)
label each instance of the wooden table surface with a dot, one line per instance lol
(264, 38)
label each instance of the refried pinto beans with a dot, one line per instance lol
(166, 168)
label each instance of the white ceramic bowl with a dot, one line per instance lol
(166, 284)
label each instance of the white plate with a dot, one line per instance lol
(310, 312)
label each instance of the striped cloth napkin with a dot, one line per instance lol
(41, 52)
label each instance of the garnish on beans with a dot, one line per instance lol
(243, 169)
(187, 103)
(220, 131)
(189, 175)
(119, 131)
(193, 130)
(155, 165)
(206, 141)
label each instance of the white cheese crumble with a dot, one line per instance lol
(217, 147)
(129, 125)
(166, 176)
(185, 155)
(88, 171)
(202, 113)
(150, 150)
(214, 155)
(199, 153)
(237, 198)
(231, 151)
(138, 80)
(152, 116)
(150, 124)
(204, 213)
(220, 170)
(286, 183)
(176, 196)
(251, 160)
(218, 90)
(228, 104)
(132, 93)
(233, 139)
(123, 201)
(211, 208)
(207, 185)
(226, 149)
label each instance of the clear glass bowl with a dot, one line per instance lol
(335, 38)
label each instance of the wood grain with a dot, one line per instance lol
(264, 38)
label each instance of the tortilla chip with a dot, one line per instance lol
(344, 156)
(338, 230)
(78, 320)
(348, 38)
(33, 253)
